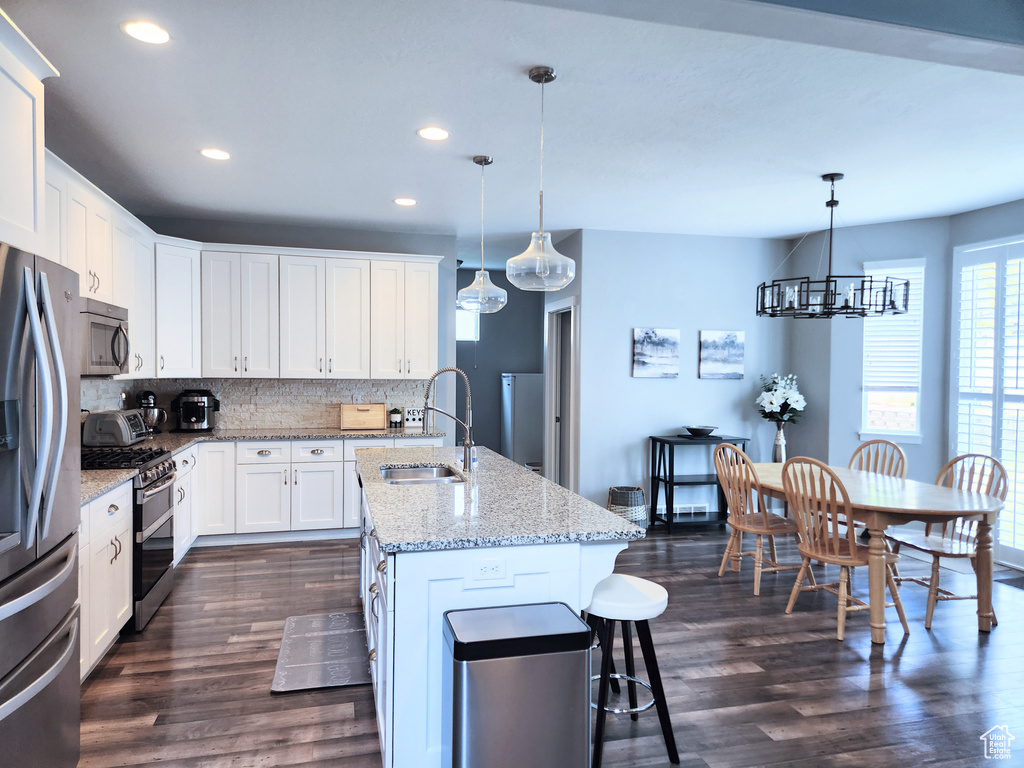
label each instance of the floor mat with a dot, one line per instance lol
(1015, 581)
(325, 650)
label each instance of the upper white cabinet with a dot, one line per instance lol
(23, 221)
(403, 320)
(90, 237)
(178, 312)
(240, 315)
(133, 289)
(325, 318)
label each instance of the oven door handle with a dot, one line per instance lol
(151, 492)
(141, 536)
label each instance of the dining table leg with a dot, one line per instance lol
(983, 540)
(876, 581)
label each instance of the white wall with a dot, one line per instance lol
(636, 280)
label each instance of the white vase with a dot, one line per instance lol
(779, 449)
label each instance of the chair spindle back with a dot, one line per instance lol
(971, 472)
(881, 456)
(819, 502)
(739, 482)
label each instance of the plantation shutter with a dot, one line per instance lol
(892, 344)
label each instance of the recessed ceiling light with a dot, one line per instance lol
(147, 32)
(406, 201)
(433, 133)
(215, 154)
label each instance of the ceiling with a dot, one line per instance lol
(668, 123)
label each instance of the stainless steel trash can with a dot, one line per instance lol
(517, 688)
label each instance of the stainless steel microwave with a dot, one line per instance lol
(105, 346)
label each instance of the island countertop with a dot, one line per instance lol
(499, 504)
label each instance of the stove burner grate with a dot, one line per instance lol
(121, 458)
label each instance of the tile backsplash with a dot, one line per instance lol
(262, 403)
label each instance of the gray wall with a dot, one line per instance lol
(511, 341)
(636, 280)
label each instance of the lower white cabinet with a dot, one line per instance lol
(318, 496)
(105, 572)
(214, 509)
(184, 502)
(262, 501)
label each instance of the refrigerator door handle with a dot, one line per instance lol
(61, 380)
(50, 586)
(46, 408)
(32, 690)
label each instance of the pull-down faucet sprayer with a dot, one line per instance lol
(467, 425)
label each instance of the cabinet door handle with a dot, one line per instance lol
(161, 362)
(382, 566)
(373, 533)
(236, 363)
(373, 588)
(245, 364)
(321, 365)
(373, 655)
(97, 282)
(362, 539)
(330, 364)
(373, 606)
(285, 473)
(113, 543)
(295, 477)
(263, 452)
(399, 366)
(112, 509)
(317, 452)
(408, 366)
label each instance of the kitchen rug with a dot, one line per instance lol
(324, 650)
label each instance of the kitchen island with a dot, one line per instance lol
(504, 536)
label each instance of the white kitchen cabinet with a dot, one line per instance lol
(90, 244)
(184, 501)
(318, 496)
(419, 442)
(263, 497)
(214, 508)
(240, 315)
(105, 568)
(133, 290)
(303, 317)
(23, 195)
(403, 320)
(353, 496)
(178, 311)
(56, 199)
(348, 318)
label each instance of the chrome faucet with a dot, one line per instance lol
(467, 425)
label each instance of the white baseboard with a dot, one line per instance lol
(278, 537)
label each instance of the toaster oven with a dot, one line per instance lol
(105, 346)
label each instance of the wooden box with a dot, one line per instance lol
(364, 416)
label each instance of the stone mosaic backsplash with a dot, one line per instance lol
(263, 403)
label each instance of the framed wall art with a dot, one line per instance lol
(656, 353)
(721, 355)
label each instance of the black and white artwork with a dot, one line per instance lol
(656, 353)
(721, 355)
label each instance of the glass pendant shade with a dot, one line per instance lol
(482, 295)
(540, 267)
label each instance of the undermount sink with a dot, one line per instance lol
(419, 475)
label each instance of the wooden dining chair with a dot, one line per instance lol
(881, 456)
(748, 514)
(819, 503)
(957, 538)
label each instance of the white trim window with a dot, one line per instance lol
(986, 409)
(892, 357)
(467, 325)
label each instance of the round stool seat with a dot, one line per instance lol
(627, 598)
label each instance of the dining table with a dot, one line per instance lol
(880, 501)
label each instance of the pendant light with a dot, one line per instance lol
(836, 295)
(482, 295)
(540, 267)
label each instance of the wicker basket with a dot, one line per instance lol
(628, 502)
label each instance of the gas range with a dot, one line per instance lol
(152, 463)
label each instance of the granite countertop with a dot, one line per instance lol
(500, 504)
(96, 482)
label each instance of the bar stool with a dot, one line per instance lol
(628, 599)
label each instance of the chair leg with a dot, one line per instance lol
(728, 551)
(771, 549)
(643, 632)
(805, 568)
(844, 581)
(758, 559)
(895, 570)
(933, 593)
(974, 565)
(736, 556)
(607, 640)
(891, 580)
(627, 650)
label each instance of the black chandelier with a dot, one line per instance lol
(836, 295)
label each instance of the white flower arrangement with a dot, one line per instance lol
(780, 400)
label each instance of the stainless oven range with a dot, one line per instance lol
(153, 526)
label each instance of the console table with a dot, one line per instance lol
(663, 473)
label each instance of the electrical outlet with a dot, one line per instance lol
(484, 570)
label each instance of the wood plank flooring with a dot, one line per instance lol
(747, 685)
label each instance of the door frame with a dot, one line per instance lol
(551, 359)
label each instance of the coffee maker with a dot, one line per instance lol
(194, 409)
(151, 415)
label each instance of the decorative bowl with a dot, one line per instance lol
(700, 431)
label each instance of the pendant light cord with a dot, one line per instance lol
(481, 217)
(542, 157)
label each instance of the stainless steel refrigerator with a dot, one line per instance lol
(40, 502)
(522, 417)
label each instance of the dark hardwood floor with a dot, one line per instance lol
(747, 685)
